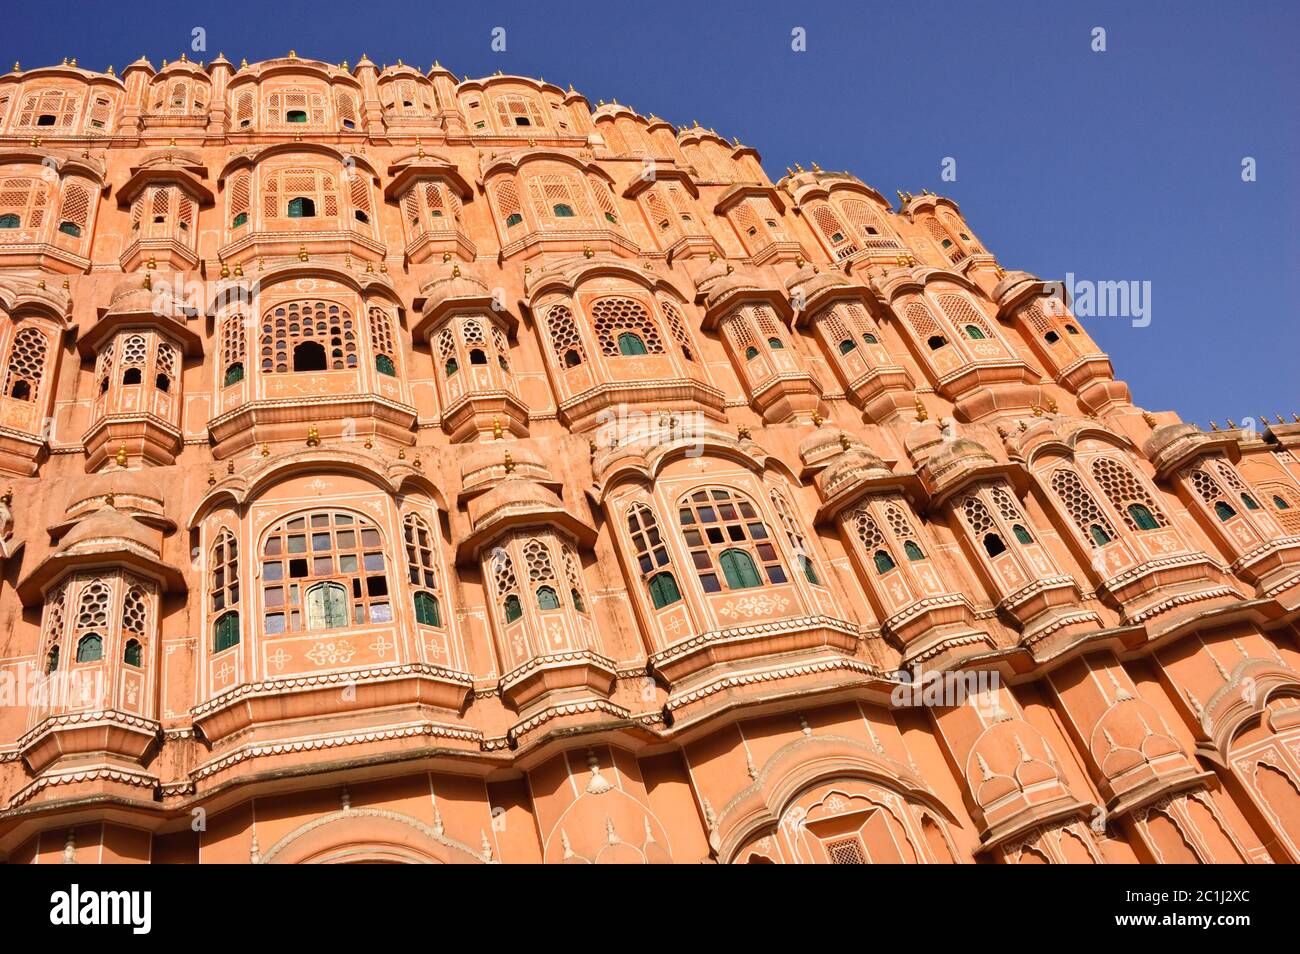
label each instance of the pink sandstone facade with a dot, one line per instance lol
(409, 469)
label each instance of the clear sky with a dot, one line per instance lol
(1123, 165)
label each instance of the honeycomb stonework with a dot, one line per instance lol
(404, 468)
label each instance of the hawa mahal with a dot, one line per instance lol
(407, 468)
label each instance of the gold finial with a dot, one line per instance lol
(148, 281)
(1023, 426)
(313, 436)
(239, 270)
(713, 256)
(455, 271)
(1037, 411)
(816, 168)
(110, 70)
(587, 252)
(230, 467)
(302, 253)
(789, 171)
(266, 449)
(261, 265)
(151, 264)
(730, 268)
(1051, 404)
(225, 270)
(35, 141)
(446, 256)
(1295, 417)
(243, 63)
(383, 267)
(293, 54)
(370, 268)
(1149, 418)
(921, 413)
(1279, 418)
(41, 283)
(401, 453)
(184, 59)
(121, 455)
(369, 444)
(1214, 426)
(7, 497)
(164, 65)
(65, 284)
(344, 66)
(416, 463)
(509, 463)
(817, 419)
(18, 67)
(212, 479)
(496, 429)
(1231, 425)
(844, 441)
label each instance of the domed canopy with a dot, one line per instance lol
(517, 502)
(496, 461)
(454, 287)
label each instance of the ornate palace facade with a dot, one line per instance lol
(418, 469)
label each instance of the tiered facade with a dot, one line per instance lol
(404, 468)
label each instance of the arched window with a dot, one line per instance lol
(240, 218)
(226, 632)
(419, 540)
(913, 551)
(133, 653)
(224, 589)
(883, 561)
(477, 356)
(751, 353)
(630, 344)
(993, 544)
(1222, 510)
(52, 660)
(775, 344)
(384, 365)
(1071, 329)
(847, 345)
(974, 333)
(90, 648)
(1142, 518)
(513, 608)
(562, 210)
(1098, 534)
(1279, 503)
(936, 342)
(330, 562)
(713, 522)
(70, 228)
(1249, 502)
(162, 382)
(302, 208)
(296, 116)
(1081, 505)
(663, 590)
(427, 611)
(10, 221)
(451, 367)
(547, 598)
(1051, 337)
(513, 219)
(869, 338)
(794, 535)
(132, 376)
(1022, 534)
(1127, 495)
(321, 323)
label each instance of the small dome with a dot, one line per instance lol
(711, 272)
(108, 527)
(512, 496)
(851, 466)
(1168, 435)
(486, 465)
(451, 281)
(736, 280)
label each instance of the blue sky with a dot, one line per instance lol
(1116, 166)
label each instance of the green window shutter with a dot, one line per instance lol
(234, 374)
(227, 633)
(1022, 534)
(427, 611)
(663, 590)
(1143, 518)
(132, 654)
(1223, 511)
(384, 365)
(884, 562)
(739, 570)
(90, 649)
(514, 609)
(913, 551)
(809, 571)
(1099, 535)
(630, 344)
(327, 606)
(547, 598)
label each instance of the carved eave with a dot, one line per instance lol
(114, 555)
(566, 275)
(483, 82)
(515, 160)
(67, 71)
(721, 304)
(926, 201)
(63, 163)
(406, 172)
(253, 157)
(1060, 434)
(642, 461)
(240, 488)
(871, 484)
(827, 292)
(239, 290)
(1174, 445)
(534, 516)
(659, 171)
(957, 476)
(805, 187)
(142, 178)
(895, 282)
(173, 325)
(1015, 288)
(21, 295)
(746, 190)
